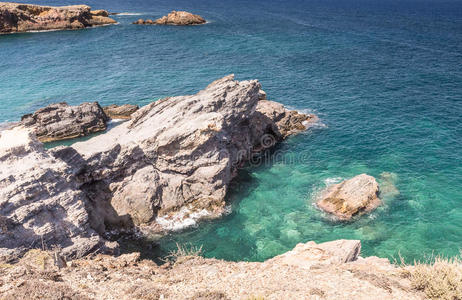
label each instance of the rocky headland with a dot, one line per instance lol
(180, 18)
(174, 157)
(17, 17)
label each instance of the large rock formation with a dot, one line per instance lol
(351, 197)
(41, 205)
(61, 121)
(335, 272)
(175, 156)
(16, 17)
(124, 111)
(181, 152)
(174, 18)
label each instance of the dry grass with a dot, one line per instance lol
(184, 253)
(440, 279)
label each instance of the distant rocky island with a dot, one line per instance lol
(180, 18)
(17, 17)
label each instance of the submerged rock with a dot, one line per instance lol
(174, 18)
(388, 188)
(351, 197)
(120, 111)
(16, 17)
(41, 205)
(61, 121)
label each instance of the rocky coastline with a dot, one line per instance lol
(18, 17)
(176, 153)
(60, 206)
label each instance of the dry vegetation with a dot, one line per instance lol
(183, 253)
(186, 275)
(439, 279)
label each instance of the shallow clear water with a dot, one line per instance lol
(384, 76)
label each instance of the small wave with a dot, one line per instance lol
(46, 30)
(332, 180)
(128, 14)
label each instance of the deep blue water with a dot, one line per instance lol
(384, 76)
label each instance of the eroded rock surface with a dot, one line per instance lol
(182, 151)
(41, 205)
(124, 111)
(17, 17)
(174, 18)
(351, 197)
(61, 121)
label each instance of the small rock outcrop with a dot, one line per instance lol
(120, 111)
(17, 17)
(41, 205)
(180, 18)
(61, 121)
(351, 197)
(311, 254)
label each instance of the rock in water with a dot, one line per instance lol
(41, 205)
(60, 121)
(181, 152)
(351, 197)
(174, 18)
(120, 111)
(180, 18)
(16, 17)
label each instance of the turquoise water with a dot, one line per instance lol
(385, 77)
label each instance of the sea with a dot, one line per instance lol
(384, 77)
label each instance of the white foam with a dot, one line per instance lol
(332, 180)
(129, 14)
(183, 219)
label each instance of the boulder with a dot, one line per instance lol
(310, 254)
(351, 197)
(17, 17)
(61, 121)
(180, 18)
(41, 205)
(120, 111)
(286, 122)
